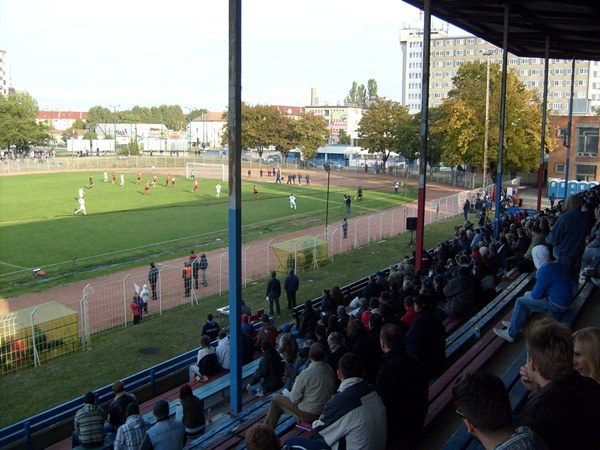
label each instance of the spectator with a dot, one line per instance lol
(592, 248)
(131, 434)
(273, 293)
(267, 332)
(246, 309)
(338, 297)
(211, 328)
(337, 345)
(269, 374)
(287, 345)
(290, 286)
(207, 363)
(482, 402)
(551, 294)
(247, 328)
(426, 339)
(165, 434)
(459, 294)
(372, 289)
(116, 409)
(403, 387)
(568, 236)
(369, 350)
(307, 322)
(223, 351)
(587, 352)
(327, 305)
(88, 424)
(261, 437)
(313, 387)
(355, 416)
(409, 317)
(563, 409)
(247, 349)
(191, 412)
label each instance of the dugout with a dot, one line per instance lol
(32, 335)
(301, 254)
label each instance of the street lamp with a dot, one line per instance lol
(487, 118)
(327, 168)
(114, 107)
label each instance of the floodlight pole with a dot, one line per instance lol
(487, 119)
(114, 107)
(327, 168)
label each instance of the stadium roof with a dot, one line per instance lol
(573, 26)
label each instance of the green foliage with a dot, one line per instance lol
(344, 138)
(460, 126)
(18, 126)
(387, 126)
(312, 133)
(361, 96)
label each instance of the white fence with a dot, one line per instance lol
(105, 304)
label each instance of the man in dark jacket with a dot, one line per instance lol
(372, 289)
(269, 374)
(460, 296)
(116, 409)
(426, 338)
(290, 286)
(402, 385)
(273, 293)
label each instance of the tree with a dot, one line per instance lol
(312, 133)
(372, 89)
(18, 125)
(385, 127)
(461, 125)
(344, 138)
(357, 94)
(285, 136)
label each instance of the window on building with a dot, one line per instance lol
(585, 172)
(587, 140)
(559, 168)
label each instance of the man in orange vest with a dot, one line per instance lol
(147, 188)
(195, 186)
(187, 278)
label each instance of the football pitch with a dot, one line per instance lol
(38, 227)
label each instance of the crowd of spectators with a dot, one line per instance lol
(358, 369)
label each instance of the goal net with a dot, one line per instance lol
(205, 170)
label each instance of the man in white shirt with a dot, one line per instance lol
(223, 351)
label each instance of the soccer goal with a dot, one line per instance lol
(205, 170)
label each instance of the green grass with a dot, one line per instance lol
(39, 228)
(116, 354)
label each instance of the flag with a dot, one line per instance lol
(137, 288)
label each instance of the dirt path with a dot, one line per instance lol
(362, 230)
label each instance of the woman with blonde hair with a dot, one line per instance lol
(586, 357)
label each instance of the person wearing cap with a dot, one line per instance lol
(551, 294)
(166, 433)
(313, 387)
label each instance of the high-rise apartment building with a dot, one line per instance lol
(3, 73)
(448, 53)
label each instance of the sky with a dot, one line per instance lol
(72, 55)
